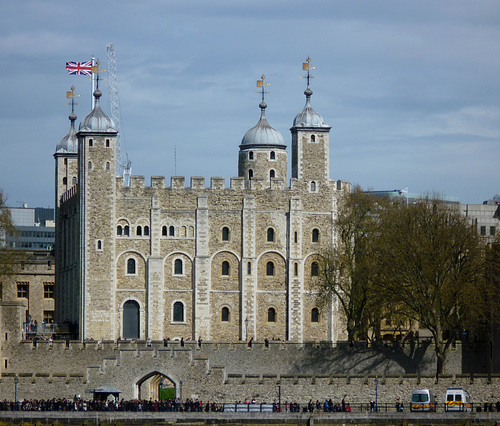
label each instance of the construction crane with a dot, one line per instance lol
(123, 164)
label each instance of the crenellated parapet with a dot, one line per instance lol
(218, 183)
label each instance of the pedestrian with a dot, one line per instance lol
(250, 342)
(199, 342)
(182, 342)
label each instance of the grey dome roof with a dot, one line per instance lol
(97, 121)
(69, 143)
(262, 134)
(308, 117)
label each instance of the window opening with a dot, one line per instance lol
(178, 312)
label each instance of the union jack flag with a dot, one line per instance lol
(79, 68)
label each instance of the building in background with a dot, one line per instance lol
(35, 228)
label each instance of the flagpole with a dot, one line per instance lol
(93, 84)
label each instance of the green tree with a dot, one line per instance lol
(430, 262)
(346, 267)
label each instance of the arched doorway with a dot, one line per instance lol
(131, 320)
(157, 387)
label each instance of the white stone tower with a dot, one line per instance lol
(310, 143)
(66, 179)
(263, 153)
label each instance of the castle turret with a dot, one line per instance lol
(66, 156)
(263, 151)
(310, 143)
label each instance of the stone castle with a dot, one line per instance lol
(138, 264)
(218, 263)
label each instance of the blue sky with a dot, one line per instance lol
(411, 89)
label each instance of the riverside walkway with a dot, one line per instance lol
(195, 418)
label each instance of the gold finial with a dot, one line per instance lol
(262, 84)
(72, 95)
(306, 66)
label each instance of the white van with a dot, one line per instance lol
(422, 400)
(458, 399)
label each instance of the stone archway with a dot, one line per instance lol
(156, 386)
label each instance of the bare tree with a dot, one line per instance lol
(346, 267)
(9, 259)
(430, 263)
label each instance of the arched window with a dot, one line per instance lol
(90, 165)
(313, 138)
(269, 269)
(91, 142)
(119, 230)
(313, 186)
(295, 269)
(183, 232)
(131, 266)
(224, 314)
(164, 231)
(314, 315)
(131, 320)
(146, 230)
(107, 143)
(271, 315)
(250, 155)
(126, 230)
(171, 231)
(178, 315)
(272, 155)
(65, 180)
(139, 230)
(249, 268)
(272, 174)
(99, 244)
(225, 233)
(250, 174)
(314, 269)
(295, 237)
(315, 235)
(74, 180)
(178, 267)
(270, 234)
(225, 268)
(108, 165)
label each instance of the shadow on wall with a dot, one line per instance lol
(348, 359)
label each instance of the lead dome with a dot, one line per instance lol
(308, 117)
(262, 134)
(97, 121)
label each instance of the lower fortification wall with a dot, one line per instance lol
(235, 372)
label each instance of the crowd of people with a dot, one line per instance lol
(168, 405)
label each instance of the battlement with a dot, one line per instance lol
(219, 183)
(70, 193)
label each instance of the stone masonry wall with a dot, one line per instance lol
(233, 371)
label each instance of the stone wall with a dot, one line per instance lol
(227, 372)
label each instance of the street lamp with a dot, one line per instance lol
(279, 398)
(376, 394)
(16, 381)
(161, 389)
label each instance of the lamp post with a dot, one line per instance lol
(16, 381)
(279, 398)
(161, 389)
(376, 394)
